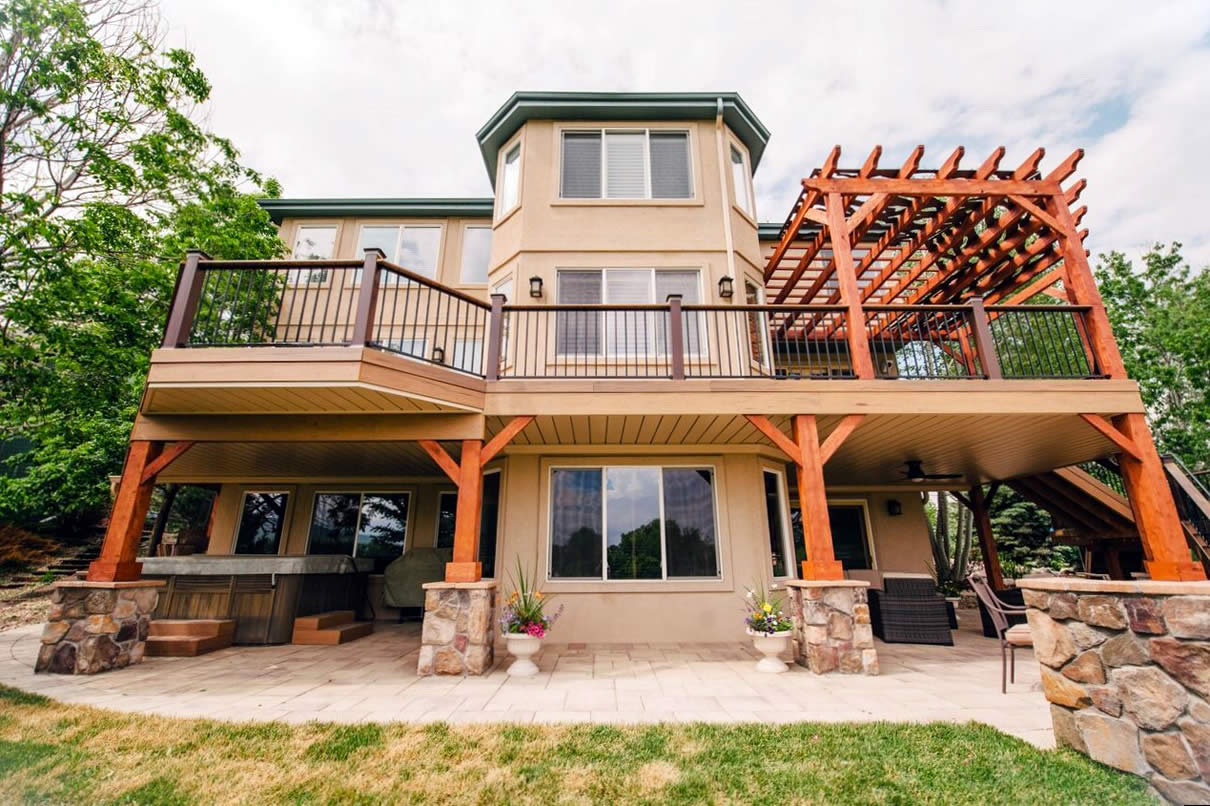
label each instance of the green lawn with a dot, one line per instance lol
(53, 753)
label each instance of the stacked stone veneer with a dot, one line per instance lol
(832, 631)
(459, 628)
(97, 626)
(1126, 668)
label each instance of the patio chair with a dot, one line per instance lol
(1010, 637)
(908, 610)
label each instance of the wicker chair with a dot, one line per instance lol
(1010, 637)
(908, 610)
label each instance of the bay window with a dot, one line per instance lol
(626, 164)
(622, 522)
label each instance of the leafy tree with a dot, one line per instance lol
(105, 180)
(951, 529)
(1161, 320)
(1023, 533)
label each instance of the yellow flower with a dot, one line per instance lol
(537, 594)
(768, 608)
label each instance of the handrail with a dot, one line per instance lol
(325, 302)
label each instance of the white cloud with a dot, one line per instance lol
(383, 99)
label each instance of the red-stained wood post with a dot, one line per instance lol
(466, 566)
(850, 293)
(821, 562)
(184, 300)
(987, 538)
(116, 562)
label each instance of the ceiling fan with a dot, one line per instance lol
(916, 473)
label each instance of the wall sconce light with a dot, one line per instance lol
(535, 286)
(893, 507)
(439, 355)
(726, 287)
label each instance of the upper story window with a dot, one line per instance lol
(510, 179)
(476, 254)
(626, 164)
(741, 182)
(313, 242)
(414, 247)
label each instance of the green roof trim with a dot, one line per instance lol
(525, 106)
(381, 208)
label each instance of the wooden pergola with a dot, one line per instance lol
(909, 236)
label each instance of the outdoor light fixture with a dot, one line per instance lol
(893, 507)
(535, 286)
(439, 355)
(726, 287)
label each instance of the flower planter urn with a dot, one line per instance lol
(770, 645)
(522, 647)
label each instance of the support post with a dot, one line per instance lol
(184, 300)
(495, 338)
(466, 566)
(850, 293)
(676, 337)
(985, 348)
(116, 562)
(987, 539)
(367, 297)
(821, 562)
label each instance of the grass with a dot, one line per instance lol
(53, 753)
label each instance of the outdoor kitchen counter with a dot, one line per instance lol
(263, 594)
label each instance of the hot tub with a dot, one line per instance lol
(263, 594)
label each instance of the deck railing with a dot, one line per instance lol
(326, 303)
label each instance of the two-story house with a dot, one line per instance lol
(614, 375)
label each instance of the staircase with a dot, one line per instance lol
(68, 565)
(188, 638)
(1193, 505)
(329, 629)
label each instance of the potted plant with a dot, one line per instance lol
(770, 629)
(524, 624)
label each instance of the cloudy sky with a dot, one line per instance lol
(382, 98)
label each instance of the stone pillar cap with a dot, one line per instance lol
(84, 583)
(480, 585)
(825, 583)
(1155, 587)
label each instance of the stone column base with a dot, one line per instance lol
(459, 628)
(97, 626)
(1126, 668)
(832, 626)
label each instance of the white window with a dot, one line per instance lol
(627, 523)
(510, 179)
(416, 348)
(626, 164)
(414, 247)
(476, 254)
(468, 355)
(313, 242)
(741, 181)
(624, 332)
(360, 524)
(505, 287)
(777, 512)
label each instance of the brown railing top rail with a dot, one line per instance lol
(431, 283)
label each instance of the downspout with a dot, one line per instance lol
(726, 201)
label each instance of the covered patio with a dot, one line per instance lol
(375, 680)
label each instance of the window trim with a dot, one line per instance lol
(695, 199)
(501, 214)
(750, 190)
(287, 511)
(604, 270)
(361, 493)
(400, 224)
(787, 537)
(864, 503)
(462, 257)
(604, 579)
(293, 275)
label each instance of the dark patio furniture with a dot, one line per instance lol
(1009, 596)
(1011, 636)
(908, 610)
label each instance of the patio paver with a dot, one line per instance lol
(374, 679)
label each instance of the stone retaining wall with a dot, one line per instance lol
(459, 628)
(832, 631)
(1126, 668)
(97, 626)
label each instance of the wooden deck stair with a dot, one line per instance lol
(331, 628)
(187, 638)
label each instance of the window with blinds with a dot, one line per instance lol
(626, 164)
(624, 332)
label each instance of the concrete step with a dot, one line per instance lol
(185, 646)
(332, 636)
(323, 621)
(195, 628)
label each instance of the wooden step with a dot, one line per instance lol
(197, 628)
(185, 646)
(323, 621)
(340, 634)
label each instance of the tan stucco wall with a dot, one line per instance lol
(686, 610)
